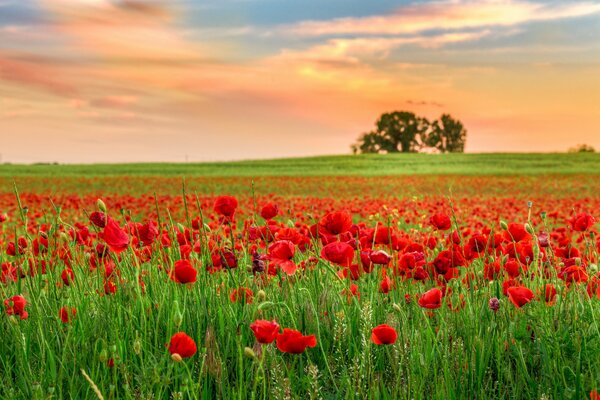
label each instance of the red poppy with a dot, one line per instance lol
(182, 345)
(336, 223)
(519, 295)
(265, 331)
(383, 334)
(269, 211)
(66, 314)
(281, 254)
(16, 306)
(549, 293)
(582, 222)
(99, 219)
(184, 272)
(293, 342)
(241, 294)
(148, 233)
(225, 205)
(516, 232)
(431, 299)
(340, 253)
(440, 222)
(379, 257)
(115, 237)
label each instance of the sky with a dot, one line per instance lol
(85, 81)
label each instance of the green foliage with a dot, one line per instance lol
(582, 148)
(358, 165)
(403, 131)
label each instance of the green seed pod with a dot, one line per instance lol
(101, 206)
(248, 352)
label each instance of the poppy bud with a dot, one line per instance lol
(248, 352)
(529, 228)
(397, 307)
(64, 237)
(180, 227)
(103, 356)
(504, 225)
(177, 316)
(101, 206)
(137, 346)
(494, 304)
(261, 295)
(176, 357)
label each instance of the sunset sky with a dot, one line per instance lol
(107, 81)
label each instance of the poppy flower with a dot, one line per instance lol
(582, 222)
(148, 233)
(265, 331)
(336, 223)
(519, 295)
(115, 237)
(66, 314)
(379, 257)
(383, 334)
(184, 272)
(431, 299)
(549, 293)
(281, 254)
(99, 219)
(516, 232)
(340, 253)
(293, 342)
(182, 345)
(16, 306)
(241, 294)
(440, 222)
(269, 211)
(225, 206)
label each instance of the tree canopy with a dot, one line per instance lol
(403, 131)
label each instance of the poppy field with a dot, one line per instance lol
(317, 287)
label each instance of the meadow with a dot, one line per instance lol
(467, 276)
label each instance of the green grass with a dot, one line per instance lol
(361, 165)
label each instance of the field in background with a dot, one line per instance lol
(358, 165)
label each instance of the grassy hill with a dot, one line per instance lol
(359, 165)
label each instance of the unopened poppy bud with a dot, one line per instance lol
(397, 307)
(113, 348)
(180, 227)
(578, 261)
(261, 295)
(64, 237)
(103, 356)
(504, 225)
(529, 228)
(101, 206)
(137, 346)
(494, 304)
(248, 352)
(177, 316)
(206, 227)
(176, 357)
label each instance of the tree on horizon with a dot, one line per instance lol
(405, 132)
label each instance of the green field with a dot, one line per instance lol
(359, 165)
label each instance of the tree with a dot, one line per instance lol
(582, 148)
(403, 131)
(447, 135)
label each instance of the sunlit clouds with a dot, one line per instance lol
(86, 81)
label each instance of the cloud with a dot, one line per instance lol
(34, 75)
(444, 15)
